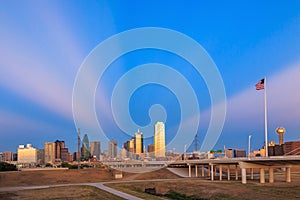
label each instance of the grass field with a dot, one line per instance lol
(59, 193)
(31, 178)
(202, 189)
(196, 188)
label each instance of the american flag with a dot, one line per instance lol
(260, 85)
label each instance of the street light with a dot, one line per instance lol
(249, 138)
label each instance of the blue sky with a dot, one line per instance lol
(44, 43)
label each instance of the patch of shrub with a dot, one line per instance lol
(7, 167)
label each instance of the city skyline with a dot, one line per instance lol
(45, 43)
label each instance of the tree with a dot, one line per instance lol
(7, 167)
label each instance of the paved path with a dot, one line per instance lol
(100, 185)
(113, 191)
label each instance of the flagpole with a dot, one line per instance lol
(266, 120)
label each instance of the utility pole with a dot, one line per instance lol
(78, 153)
(196, 143)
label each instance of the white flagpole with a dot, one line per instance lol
(266, 121)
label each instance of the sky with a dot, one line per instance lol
(45, 45)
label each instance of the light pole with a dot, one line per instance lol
(249, 138)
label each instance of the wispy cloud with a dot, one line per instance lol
(245, 110)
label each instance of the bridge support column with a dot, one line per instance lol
(288, 174)
(215, 172)
(244, 176)
(252, 177)
(262, 175)
(202, 170)
(220, 172)
(208, 169)
(190, 171)
(271, 175)
(212, 172)
(236, 173)
(228, 173)
(196, 170)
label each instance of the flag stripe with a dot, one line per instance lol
(260, 85)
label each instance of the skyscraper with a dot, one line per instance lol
(138, 142)
(58, 146)
(27, 156)
(49, 148)
(159, 140)
(95, 149)
(85, 147)
(112, 149)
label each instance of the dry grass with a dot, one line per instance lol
(51, 177)
(60, 193)
(201, 189)
(31, 178)
(162, 173)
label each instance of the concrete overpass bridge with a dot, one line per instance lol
(224, 167)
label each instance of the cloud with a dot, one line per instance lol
(245, 110)
(42, 74)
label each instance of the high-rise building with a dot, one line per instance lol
(85, 147)
(150, 150)
(138, 142)
(112, 149)
(58, 146)
(159, 140)
(27, 155)
(7, 156)
(49, 152)
(40, 156)
(64, 152)
(95, 149)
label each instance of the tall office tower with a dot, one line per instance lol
(85, 147)
(40, 156)
(64, 153)
(131, 145)
(27, 155)
(112, 149)
(49, 148)
(150, 150)
(58, 146)
(7, 156)
(95, 149)
(138, 143)
(159, 140)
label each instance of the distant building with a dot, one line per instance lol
(27, 156)
(138, 143)
(49, 152)
(150, 150)
(276, 150)
(40, 156)
(15, 156)
(85, 147)
(239, 153)
(58, 146)
(292, 148)
(159, 140)
(228, 153)
(112, 149)
(234, 153)
(75, 156)
(95, 149)
(1, 157)
(124, 153)
(8, 156)
(64, 152)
